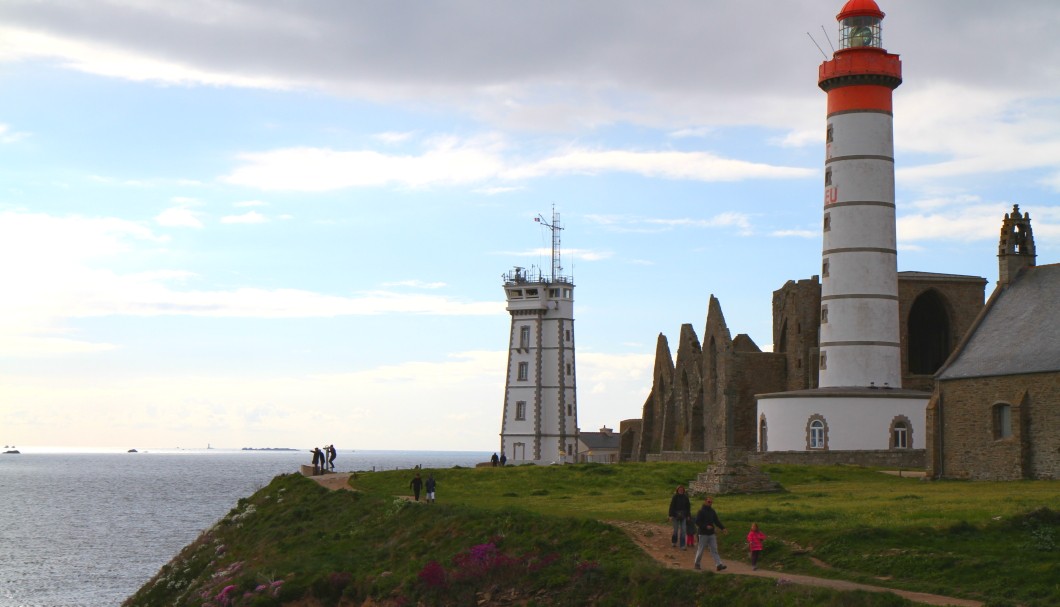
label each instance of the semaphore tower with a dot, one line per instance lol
(540, 420)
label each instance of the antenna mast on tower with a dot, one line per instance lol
(555, 228)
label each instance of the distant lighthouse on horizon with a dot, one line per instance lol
(540, 420)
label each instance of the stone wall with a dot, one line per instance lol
(796, 323)
(970, 445)
(962, 298)
(905, 459)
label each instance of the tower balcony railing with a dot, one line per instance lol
(522, 276)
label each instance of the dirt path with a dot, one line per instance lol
(654, 538)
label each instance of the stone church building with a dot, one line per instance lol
(995, 410)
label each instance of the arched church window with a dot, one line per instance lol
(928, 333)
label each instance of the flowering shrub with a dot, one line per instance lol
(433, 576)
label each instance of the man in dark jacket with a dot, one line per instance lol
(708, 523)
(680, 509)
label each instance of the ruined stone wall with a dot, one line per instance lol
(970, 445)
(629, 431)
(796, 326)
(963, 298)
(757, 373)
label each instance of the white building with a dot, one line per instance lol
(540, 420)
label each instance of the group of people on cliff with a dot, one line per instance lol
(702, 529)
(418, 483)
(324, 459)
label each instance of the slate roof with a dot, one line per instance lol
(601, 441)
(1017, 332)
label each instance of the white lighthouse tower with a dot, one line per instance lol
(860, 336)
(859, 403)
(540, 421)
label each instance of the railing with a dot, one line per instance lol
(522, 276)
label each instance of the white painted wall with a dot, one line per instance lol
(853, 422)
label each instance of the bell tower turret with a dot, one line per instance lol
(1015, 250)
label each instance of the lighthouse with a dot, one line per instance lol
(859, 403)
(859, 339)
(539, 423)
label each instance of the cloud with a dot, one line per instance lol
(415, 284)
(638, 224)
(248, 217)
(251, 203)
(695, 166)
(65, 275)
(795, 233)
(178, 217)
(7, 136)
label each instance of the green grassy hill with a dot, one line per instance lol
(532, 536)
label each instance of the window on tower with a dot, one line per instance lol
(828, 176)
(524, 337)
(824, 269)
(520, 410)
(524, 371)
(824, 314)
(860, 32)
(827, 219)
(829, 136)
(568, 335)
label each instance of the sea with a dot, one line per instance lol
(89, 529)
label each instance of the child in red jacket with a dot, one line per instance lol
(754, 544)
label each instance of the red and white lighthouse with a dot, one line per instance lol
(860, 334)
(859, 403)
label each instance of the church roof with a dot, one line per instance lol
(935, 276)
(1017, 332)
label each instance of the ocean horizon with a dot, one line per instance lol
(87, 528)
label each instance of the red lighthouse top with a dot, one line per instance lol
(861, 74)
(860, 8)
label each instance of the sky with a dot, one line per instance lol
(261, 223)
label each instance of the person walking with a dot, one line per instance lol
(416, 484)
(504, 459)
(331, 456)
(708, 522)
(494, 460)
(429, 486)
(678, 513)
(754, 543)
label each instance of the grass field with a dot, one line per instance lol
(996, 542)
(533, 536)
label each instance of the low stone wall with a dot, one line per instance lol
(681, 456)
(904, 459)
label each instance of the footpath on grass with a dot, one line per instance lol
(654, 538)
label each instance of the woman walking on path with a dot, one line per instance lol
(680, 509)
(754, 544)
(708, 522)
